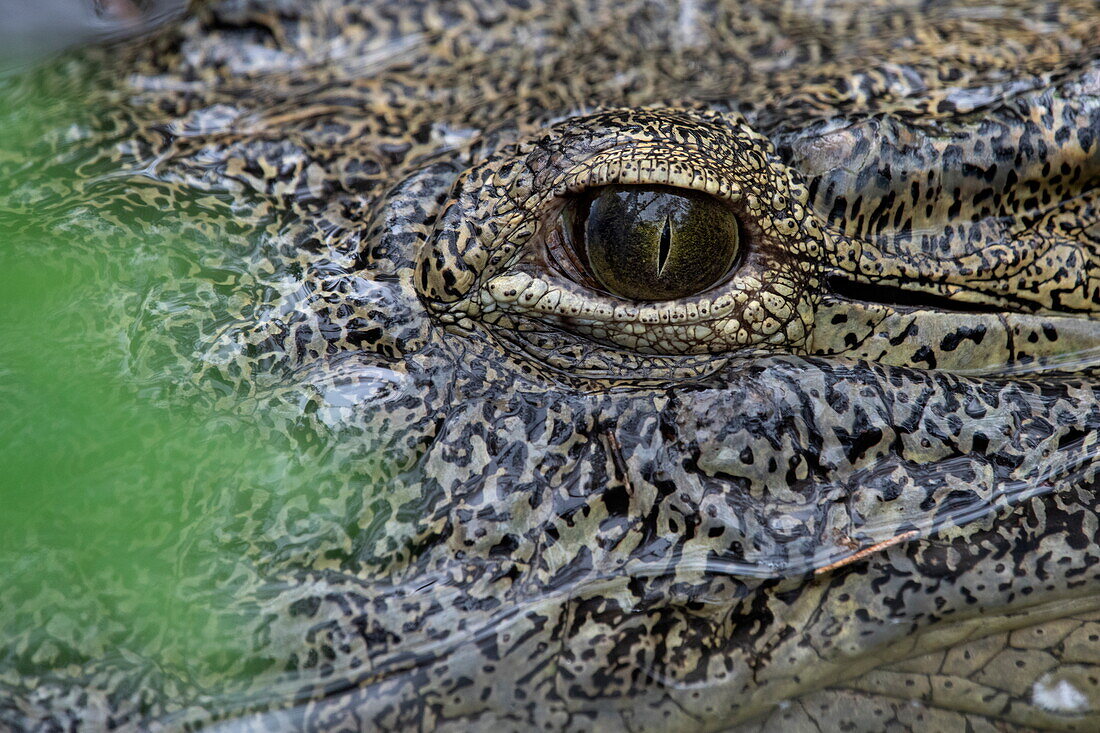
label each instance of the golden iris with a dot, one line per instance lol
(655, 242)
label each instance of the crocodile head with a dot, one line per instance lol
(850, 464)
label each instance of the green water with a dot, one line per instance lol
(128, 525)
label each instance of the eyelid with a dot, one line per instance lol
(561, 248)
(629, 166)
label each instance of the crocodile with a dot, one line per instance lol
(699, 365)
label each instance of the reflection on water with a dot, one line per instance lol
(138, 532)
(32, 29)
(131, 524)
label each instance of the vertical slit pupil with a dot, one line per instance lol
(666, 245)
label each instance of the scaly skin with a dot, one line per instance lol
(837, 488)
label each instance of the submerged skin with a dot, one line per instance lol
(850, 480)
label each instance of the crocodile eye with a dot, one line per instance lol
(653, 242)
